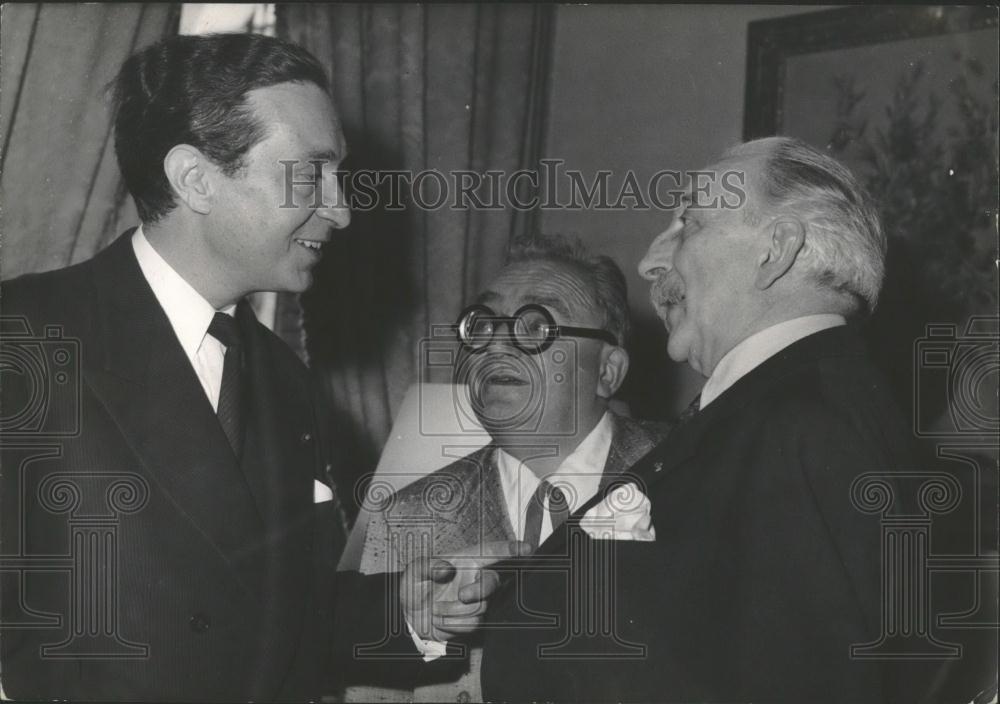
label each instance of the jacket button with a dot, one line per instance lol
(199, 623)
(305, 437)
(463, 698)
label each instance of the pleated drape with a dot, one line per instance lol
(417, 87)
(61, 193)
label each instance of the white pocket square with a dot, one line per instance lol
(624, 514)
(321, 492)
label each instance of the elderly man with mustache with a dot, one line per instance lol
(754, 577)
(778, 572)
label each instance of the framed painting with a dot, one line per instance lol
(907, 97)
(797, 65)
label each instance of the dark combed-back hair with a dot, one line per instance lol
(193, 90)
(604, 276)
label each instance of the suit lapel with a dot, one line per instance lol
(684, 440)
(482, 514)
(497, 523)
(279, 445)
(279, 457)
(629, 444)
(149, 388)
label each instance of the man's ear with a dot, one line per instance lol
(189, 173)
(614, 367)
(788, 236)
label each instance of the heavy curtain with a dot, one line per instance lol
(417, 87)
(62, 195)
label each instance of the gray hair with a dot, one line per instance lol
(604, 276)
(845, 245)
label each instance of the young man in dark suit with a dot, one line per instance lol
(195, 497)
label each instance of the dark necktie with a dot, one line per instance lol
(225, 329)
(691, 411)
(558, 511)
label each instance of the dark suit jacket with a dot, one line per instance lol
(220, 584)
(762, 574)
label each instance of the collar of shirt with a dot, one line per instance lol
(753, 351)
(579, 475)
(188, 312)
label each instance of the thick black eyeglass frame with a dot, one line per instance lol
(554, 330)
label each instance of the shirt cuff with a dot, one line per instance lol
(430, 649)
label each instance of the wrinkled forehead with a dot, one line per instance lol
(561, 287)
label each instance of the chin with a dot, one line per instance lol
(503, 422)
(509, 423)
(299, 283)
(677, 351)
(508, 437)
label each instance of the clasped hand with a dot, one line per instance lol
(446, 598)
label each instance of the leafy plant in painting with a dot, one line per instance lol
(930, 161)
(935, 181)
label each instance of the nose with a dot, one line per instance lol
(503, 337)
(335, 209)
(659, 256)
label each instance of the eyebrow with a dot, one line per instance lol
(487, 297)
(325, 155)
(550, 302)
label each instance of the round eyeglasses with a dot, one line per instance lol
(532, 328)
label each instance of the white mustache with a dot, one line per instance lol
(667, 290)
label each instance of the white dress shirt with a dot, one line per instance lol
(578, 476)
(189, 315)
(759, 347)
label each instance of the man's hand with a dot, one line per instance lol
(442, 599)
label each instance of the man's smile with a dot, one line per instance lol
(315, 247)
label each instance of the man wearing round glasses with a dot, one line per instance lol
(530, 376)
(541, 354)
